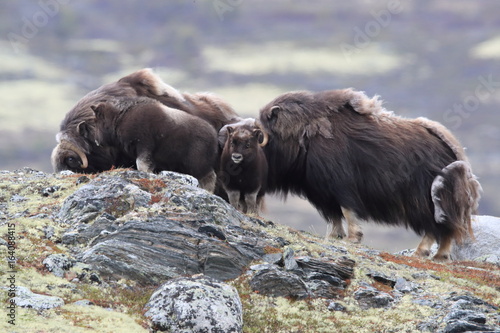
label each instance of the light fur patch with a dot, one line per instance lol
(368, 106)
(177, 116)
(437, 185)
(161, 88)
(444, 134)
(144, 164)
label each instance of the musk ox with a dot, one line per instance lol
(243, 166)
(77, 149)
(351, 158)
(158, 137)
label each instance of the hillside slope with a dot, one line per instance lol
(92, 249)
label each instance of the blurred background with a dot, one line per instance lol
(434, 58)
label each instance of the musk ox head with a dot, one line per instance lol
(67, 156)
(78, 147)
(246, 129)
(243, 143)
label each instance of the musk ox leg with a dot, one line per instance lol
(261, 204)
(337, 230)
(251, 202)
(354, 232)
(208, 182)
(234, 198)
(424, 248)
(443, 253)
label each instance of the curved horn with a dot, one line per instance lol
(264, 133)
(69, 146)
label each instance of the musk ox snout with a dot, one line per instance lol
(237, 158)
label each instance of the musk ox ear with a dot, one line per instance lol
(273, 112)
(83, 129)
(224, 133)
(97, 109)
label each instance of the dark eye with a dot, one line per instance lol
(247, 145)
(72, 162)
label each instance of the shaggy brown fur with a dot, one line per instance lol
(78, 127)
(158, 137)
(344, 152)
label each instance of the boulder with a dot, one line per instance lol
(25, 298)
(486, 246)
(58, 263)
(195, 304)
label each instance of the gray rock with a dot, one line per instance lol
(369, 297)
(382, 278)
(197, 304)
(210, 208)
(487, 244)
(335, 306)
(275, 282)
(48, 232)
(341, 267)
(192, 232)
(288, 260)
(332, 280)
(81, 233)
(404, 286)
(153, 250)
(273, 258)
(310, 278)
(25, 298)
(84, 302)
(467, 315)
(460, 326)
(180, 178)
(112, 194)
(324, 289)
(261, 267)
(17, 198)
(58, 264)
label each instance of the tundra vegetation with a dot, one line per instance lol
(412, 294)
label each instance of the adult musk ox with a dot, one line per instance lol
(158, 137)
(351, 158)
(243, 166)
(77, 150)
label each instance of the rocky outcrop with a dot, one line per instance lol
(301, 277)
(181, 229)
(98, 248)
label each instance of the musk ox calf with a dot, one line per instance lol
(77, 149)
(158, 137)
(351, 158)
(243, 166)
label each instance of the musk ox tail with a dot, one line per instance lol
(455, 194)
